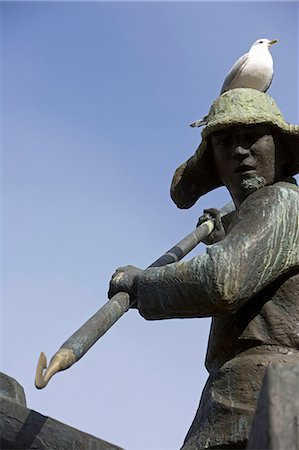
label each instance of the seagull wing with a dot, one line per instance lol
(234, 73)
(268, 84)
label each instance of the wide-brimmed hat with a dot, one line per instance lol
(198, 175)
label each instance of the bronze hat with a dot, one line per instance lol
(198, 175)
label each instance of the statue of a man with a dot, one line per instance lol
(248, 282)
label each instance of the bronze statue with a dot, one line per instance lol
(248, 280)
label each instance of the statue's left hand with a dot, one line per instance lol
(219, 232)
(124, 279)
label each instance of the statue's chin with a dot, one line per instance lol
(252, 184)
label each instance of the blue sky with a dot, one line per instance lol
(96, 101)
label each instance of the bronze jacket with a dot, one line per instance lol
(249, 284)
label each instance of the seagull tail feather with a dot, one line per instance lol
(200, 122)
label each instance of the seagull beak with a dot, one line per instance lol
(273, 42)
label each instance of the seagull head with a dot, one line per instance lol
(263, 42)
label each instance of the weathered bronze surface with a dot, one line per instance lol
(249, 281)
(276, 420)
(23, 428)
(240, 107)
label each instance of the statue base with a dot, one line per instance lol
(23, 428)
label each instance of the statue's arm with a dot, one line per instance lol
(262, 245)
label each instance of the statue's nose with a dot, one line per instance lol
(241, 152)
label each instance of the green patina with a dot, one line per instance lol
(241, 106)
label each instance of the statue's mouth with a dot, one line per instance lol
(245, 169)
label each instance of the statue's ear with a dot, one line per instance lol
(294, 147)
(282, 157)
(287, 153)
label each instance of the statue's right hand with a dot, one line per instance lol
(124, 279)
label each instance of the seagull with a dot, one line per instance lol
(253, 70)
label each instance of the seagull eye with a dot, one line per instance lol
(261, 42)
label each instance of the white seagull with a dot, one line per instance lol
(253, 70)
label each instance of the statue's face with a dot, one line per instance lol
(245, 157)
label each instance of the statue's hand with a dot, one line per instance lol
(124, 279)
(218, 233)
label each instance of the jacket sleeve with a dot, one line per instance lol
(262, 245)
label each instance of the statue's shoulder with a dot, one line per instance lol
(283, 195)
(281, 188)
(288, 186)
